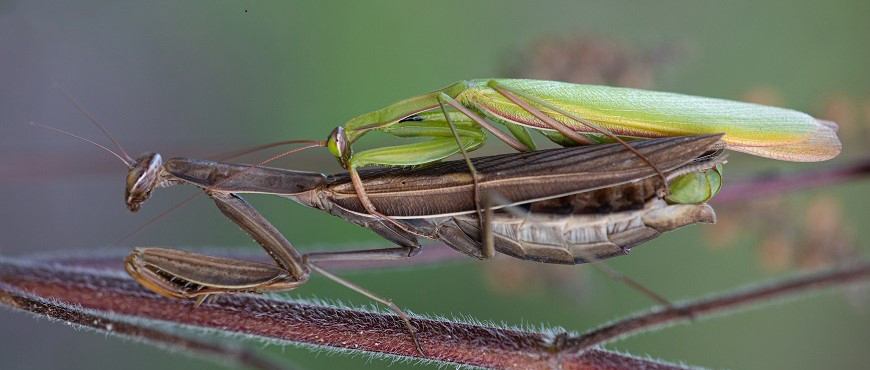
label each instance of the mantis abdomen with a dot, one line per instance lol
(581, 238)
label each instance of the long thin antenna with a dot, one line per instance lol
(127, 162)
(93, 120)
(238, 153)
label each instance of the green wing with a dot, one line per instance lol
(757, 129)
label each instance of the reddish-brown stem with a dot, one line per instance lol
(445, 341)
(75, 315)
(717, 303)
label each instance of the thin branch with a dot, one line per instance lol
(301, 323)
(444, 341)
(767, 185)
(720, 302)
(15, 298)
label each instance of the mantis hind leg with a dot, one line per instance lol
(312, 259)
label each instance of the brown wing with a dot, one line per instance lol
(446, 187)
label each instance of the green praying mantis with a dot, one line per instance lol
(456, 119)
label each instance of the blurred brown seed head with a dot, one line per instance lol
(842, 109)
(758, 216)
(865, 120)
(725, 231)
(820, 251)
(823, 216)
(507, 275)
(775, 252)
(766, 95)
(827, 239)
(591, 60)
(822, 239)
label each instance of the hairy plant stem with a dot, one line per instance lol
(698, 308)
(74, 314)
(107, 295)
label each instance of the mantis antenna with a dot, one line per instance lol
(125, 161)
(93, 120)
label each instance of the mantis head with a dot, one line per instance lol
(141, 179)
(339, 146)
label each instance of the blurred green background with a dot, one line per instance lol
(197, 77)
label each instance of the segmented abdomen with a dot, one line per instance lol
(572, 239)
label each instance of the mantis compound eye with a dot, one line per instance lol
(141, 179)
(338, 146)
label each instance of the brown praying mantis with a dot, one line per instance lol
(575, 205)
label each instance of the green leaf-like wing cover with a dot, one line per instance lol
(752, 128)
